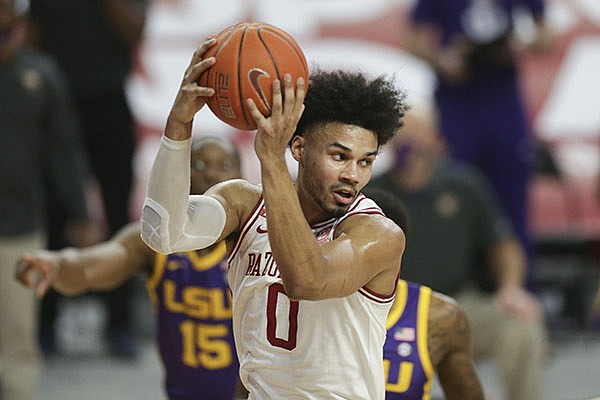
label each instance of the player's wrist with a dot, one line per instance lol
(177, 129)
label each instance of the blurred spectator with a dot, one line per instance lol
(462, 246)
(474, 50)
(94, 43)
(39, 146)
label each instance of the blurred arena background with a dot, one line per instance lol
(562, 90)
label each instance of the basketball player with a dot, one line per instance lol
(313, 264)
(189, 290)
(426, 331)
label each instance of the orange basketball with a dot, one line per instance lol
(249, 56)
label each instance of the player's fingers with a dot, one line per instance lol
(203, 48)
(42, 287)
(254, 112)
(300, 94)
(201, 51)
(22, 272)
(197, 69)
(289, 97)
(276, 108)
(198, 91)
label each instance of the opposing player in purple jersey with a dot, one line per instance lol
(427, 332)
(189, 290)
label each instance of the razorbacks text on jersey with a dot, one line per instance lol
(303, 349)
(192, 300)
(407, 365)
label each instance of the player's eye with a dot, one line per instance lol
(226, 166)
(198, 165)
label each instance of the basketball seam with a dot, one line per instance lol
(221, 45)
(293, 45)
(239, 67)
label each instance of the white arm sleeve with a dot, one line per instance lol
(172, 220)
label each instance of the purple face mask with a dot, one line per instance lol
(403, 152)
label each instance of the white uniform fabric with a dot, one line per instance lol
(328, 349)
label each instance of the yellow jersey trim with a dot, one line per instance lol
(422, 328)
(207, 261)
(398, 305)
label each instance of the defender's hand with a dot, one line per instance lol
(37, 271)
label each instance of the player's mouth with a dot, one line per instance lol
(344, 196)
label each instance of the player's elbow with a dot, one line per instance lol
(305, 285)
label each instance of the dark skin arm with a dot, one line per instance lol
(449, 340)
(72, 271)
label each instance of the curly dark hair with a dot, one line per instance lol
(353, 98)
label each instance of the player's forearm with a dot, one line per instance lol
(100, 267)
(165, 206)
(71, 278)
(298, 256)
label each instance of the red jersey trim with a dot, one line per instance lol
(376, 297)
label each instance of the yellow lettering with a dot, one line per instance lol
(221, 303)
(171, 303)
(198, 302)
(402, 380)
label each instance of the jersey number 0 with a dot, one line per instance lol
(275, 290)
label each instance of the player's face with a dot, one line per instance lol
(211, 164)
(336, 163)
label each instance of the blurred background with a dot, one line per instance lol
(561, 88)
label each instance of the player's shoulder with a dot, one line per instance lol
(239, 189)
(447, 317)
(239, 194)
(373, 222)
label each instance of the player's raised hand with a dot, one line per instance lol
(37, 271)
(191, 97)
(275, 132)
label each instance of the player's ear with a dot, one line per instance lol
(297, 147)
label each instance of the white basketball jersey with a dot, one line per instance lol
(327, 349)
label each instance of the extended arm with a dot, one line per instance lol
(449, 341)
(72, 271)
(172, 220)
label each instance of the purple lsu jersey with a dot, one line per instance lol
(407, 365)
(193, 304)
